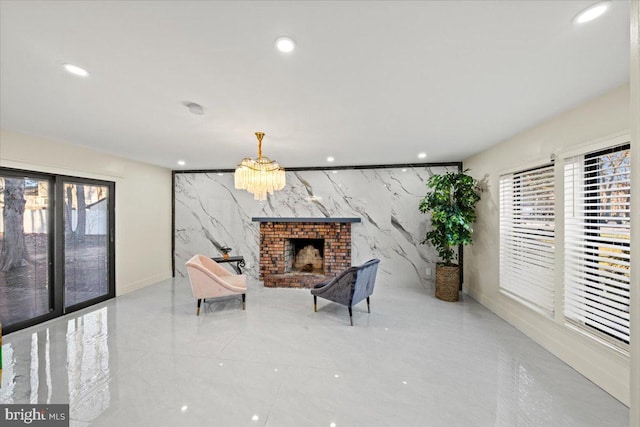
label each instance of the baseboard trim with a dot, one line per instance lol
(130, 287)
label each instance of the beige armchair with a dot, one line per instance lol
(210, 280)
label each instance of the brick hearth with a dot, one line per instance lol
(275, 231)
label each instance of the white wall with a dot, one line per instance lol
(143, 201)
(598, 118)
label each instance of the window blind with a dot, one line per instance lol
(597, 243)
(527, 236)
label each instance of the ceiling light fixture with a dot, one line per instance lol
(182, 162)
(330, 159)
(75, 70)
(422, 155)
(260, 176)
(285, 44)
(592, 12)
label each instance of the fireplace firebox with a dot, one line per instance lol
(304, 255)
(300, 252)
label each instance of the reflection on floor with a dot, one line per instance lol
(145, 359)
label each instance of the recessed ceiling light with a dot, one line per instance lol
(592, 12)
(182, 162)
(220, 174)
(404, 170)
(422, 155)
(335, 171)
(330, 159)
(285, 44)
(75, 70)
(255, 418)
(184, 408)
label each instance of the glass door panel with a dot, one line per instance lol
(86, 242)
(25, 248)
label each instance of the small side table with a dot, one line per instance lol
(239, 262)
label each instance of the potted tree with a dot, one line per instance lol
(452, 203)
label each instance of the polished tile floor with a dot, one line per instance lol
(145, 359)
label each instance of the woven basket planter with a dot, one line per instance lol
(447, 282)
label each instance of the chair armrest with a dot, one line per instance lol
(320, 285)
(215, 268)
(347, 275)
(236, 283)
(233, 282)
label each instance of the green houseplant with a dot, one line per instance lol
(451, 202)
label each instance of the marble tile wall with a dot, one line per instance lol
(210, 213)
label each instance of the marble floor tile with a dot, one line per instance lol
(146, 359)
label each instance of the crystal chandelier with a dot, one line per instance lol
(260, 176)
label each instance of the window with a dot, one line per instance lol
(527, 236)
(597, 243)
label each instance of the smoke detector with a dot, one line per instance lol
(194, 108)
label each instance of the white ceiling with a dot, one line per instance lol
(369, 83)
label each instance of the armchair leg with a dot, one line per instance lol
(244, 299)
(351, 316)
(368, 306)
(315, 303)
(198, 310)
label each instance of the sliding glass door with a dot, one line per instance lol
(86, 242)
(56, 246)
(26, 226)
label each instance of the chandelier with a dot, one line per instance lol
(260, 176)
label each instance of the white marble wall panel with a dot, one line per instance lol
(210, 213)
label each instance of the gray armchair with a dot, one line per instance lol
(349, 287)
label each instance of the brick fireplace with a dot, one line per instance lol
(281, 240)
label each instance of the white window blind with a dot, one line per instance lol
(597, 243)
(527, 233)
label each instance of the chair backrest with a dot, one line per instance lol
(365, 280)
